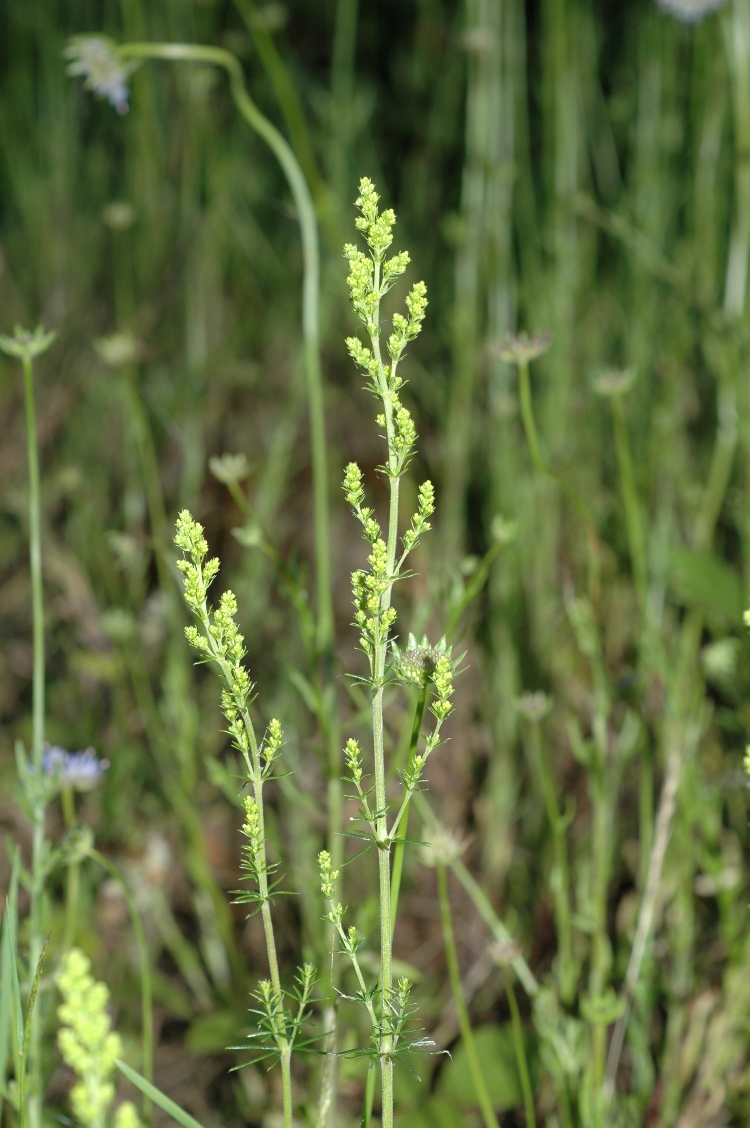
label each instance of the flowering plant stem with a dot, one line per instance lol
(561, 877)
(454, 974)
(217, 56)
(26, 346)
(36, 939)
(518, 1042)
(398, 856)
(532, 438)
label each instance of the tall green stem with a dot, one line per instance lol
(36, 940)
(35, 557)
(523, 1066)
(454, 974)
(216, 56)
(73, 876)
(398, 857)
(630, 501)
(561, 877)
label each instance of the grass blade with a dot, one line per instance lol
(6, 974)
(158, 1097)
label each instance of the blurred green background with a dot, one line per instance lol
(574, 166)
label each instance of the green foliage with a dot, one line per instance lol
(574, 168)
(497, 1059)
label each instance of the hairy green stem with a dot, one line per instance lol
(454, 974)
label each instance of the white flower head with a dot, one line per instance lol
(94, 58)
(690, 11)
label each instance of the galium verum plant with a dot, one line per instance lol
(219, 641)
(371, 276)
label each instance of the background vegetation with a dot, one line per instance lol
(574, 166)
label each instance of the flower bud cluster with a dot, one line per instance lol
(221, 640)
(353, 757)
(355, 495)
(376, 228)
(328, 879)
(443, 681)
(368, 588)
(88, 1044)
(253, 854)
(273, 743)
(406, 329)
(420, 522)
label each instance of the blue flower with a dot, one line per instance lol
(80, 770)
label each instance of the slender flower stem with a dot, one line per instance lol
(35, 556)
(630, 503)
(36, 940)
(561, 881)
(532, 438)
(73, 876)
(481, 902)
(217, 56)
(398, 857)
(518, 1042)
(454, 974)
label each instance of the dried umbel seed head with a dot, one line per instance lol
(229, 468)
(26, 345)
(519, 348)
(690, 11)
(418, 663)
(615, 382)
(119, 215)
(441, 848)
(504, 952)
(534, 706)
(118, 349)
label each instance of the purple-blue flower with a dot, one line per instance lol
(80, 770)
(94, 58)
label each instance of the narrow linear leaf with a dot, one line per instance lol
(159, 1098)
(32, 997)
(11, 916)
(6, 974)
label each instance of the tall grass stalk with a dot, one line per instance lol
(26, 347)
(454, 975)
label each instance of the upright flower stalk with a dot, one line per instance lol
(220, 642)
(35, 788)
(371, 276)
